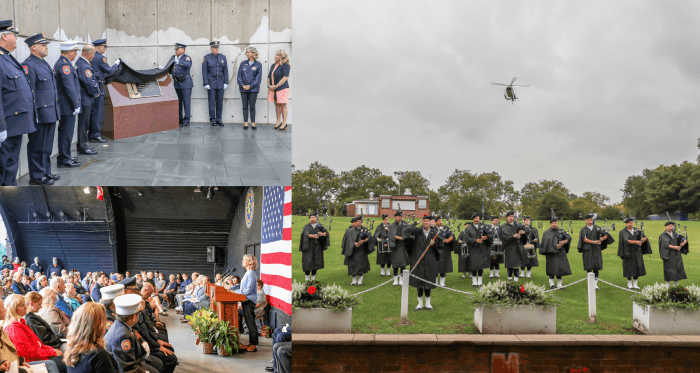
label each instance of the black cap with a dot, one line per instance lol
(312, 214)
(7, 26)
(426, 216)
(476, 215)
(628, 220)
(495, 217)
(36, 39)
(526, 218)
(552, 221)
(214, 44)
(437, 217)
(385, 216)
(398, 213)
(669, 222)
(589, 216)
(356, 218)
(128, 282)
(509, 213)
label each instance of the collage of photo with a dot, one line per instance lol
(493, 187)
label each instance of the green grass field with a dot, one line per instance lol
(381, 308)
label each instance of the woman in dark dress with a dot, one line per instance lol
(278, 88)
(85, 351)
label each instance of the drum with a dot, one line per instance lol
(497, 249)
(464, 250)
(531, 252)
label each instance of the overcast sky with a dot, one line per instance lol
(405, 85)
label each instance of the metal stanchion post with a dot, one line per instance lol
(591, 298)
(404, 297)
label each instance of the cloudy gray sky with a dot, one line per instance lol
(405, 85)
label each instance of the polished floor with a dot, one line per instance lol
(193, 360)
(195, 155)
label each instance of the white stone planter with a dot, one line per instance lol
(650, 320)
(517, 320)
(321, 321)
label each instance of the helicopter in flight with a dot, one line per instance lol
(510, 92)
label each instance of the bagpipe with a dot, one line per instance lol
(497, 248)
(529, 246)
(680, 237)
(384, 244)
(562, 234)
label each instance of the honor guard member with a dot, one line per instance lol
(37, 267)
(533, 237)
(69, 102)
(478, 240)
(631, 249)
(42, 81)
(121, 340)
(183, 83)
(109, 293)
(426, 239)
(496, 260)
(591, 242)
(555, 247)
(381, 241)
(89, 91)
(355, 249)
(513, 238)
(446, 248)
(17, 113)
(215, 75)
(670, 250)
(101, 69)
(314, 241)
(399, 256)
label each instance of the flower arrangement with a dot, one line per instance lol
(662, 296)
(204, 324)
(510, 294)
(580, 370)
(314, 294)
(266, 331)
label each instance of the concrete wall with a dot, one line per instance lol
(143, 32)
(59, 20)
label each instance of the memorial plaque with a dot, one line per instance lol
(143, 90)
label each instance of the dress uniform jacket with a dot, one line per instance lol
(125, 348)
(101, 68)
(88, 86)
(68, 86)
(17, 114)
(182, 71)
(215, 71)
(42, 81)
(250, 75)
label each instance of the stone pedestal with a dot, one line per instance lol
(128, 117)
(650, 320)
(518, 320)
(321, 321)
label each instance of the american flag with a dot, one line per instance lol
(276, 248)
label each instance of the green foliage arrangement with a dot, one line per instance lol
(225, 337)
(509, 294)
(314, 294)
(204, 324)
(662, 296)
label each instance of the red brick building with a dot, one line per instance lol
(388, 204)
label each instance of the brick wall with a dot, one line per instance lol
(495, 353)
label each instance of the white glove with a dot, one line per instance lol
(206, 86)
(118, 61)
(145, 347)
(225, 86)
(76, 111)
(3, 136)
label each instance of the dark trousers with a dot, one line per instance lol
(249, 315)
(183, 99)
(279, 336)
(216, 104)
(84, 126)
(169, 362)
(9, 157)
(39, 149)
(59, 363)
(66, 127)
(282, 356)
(248, 99)
(98, 109)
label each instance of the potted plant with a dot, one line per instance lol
(225, 338)
(664, 309)
(320, 308)
(203, 324)
(266, 332)
(512, 308)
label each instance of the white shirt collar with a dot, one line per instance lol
(590, 226)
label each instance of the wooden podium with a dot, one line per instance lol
(226, 306)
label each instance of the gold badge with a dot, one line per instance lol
(187, 58)
(88, 73)
(104, 59)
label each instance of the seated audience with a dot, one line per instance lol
(71, 297)
(85, 350)
(7, 287)
(170, 291)
(17, 286)
(260, 306)
(28, 345)
(59, 286)
(41, 328)
(124, 346)
(51, 314)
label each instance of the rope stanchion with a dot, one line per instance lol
(620, 287)
(566, 286)
(440, 286)
(382, 284)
